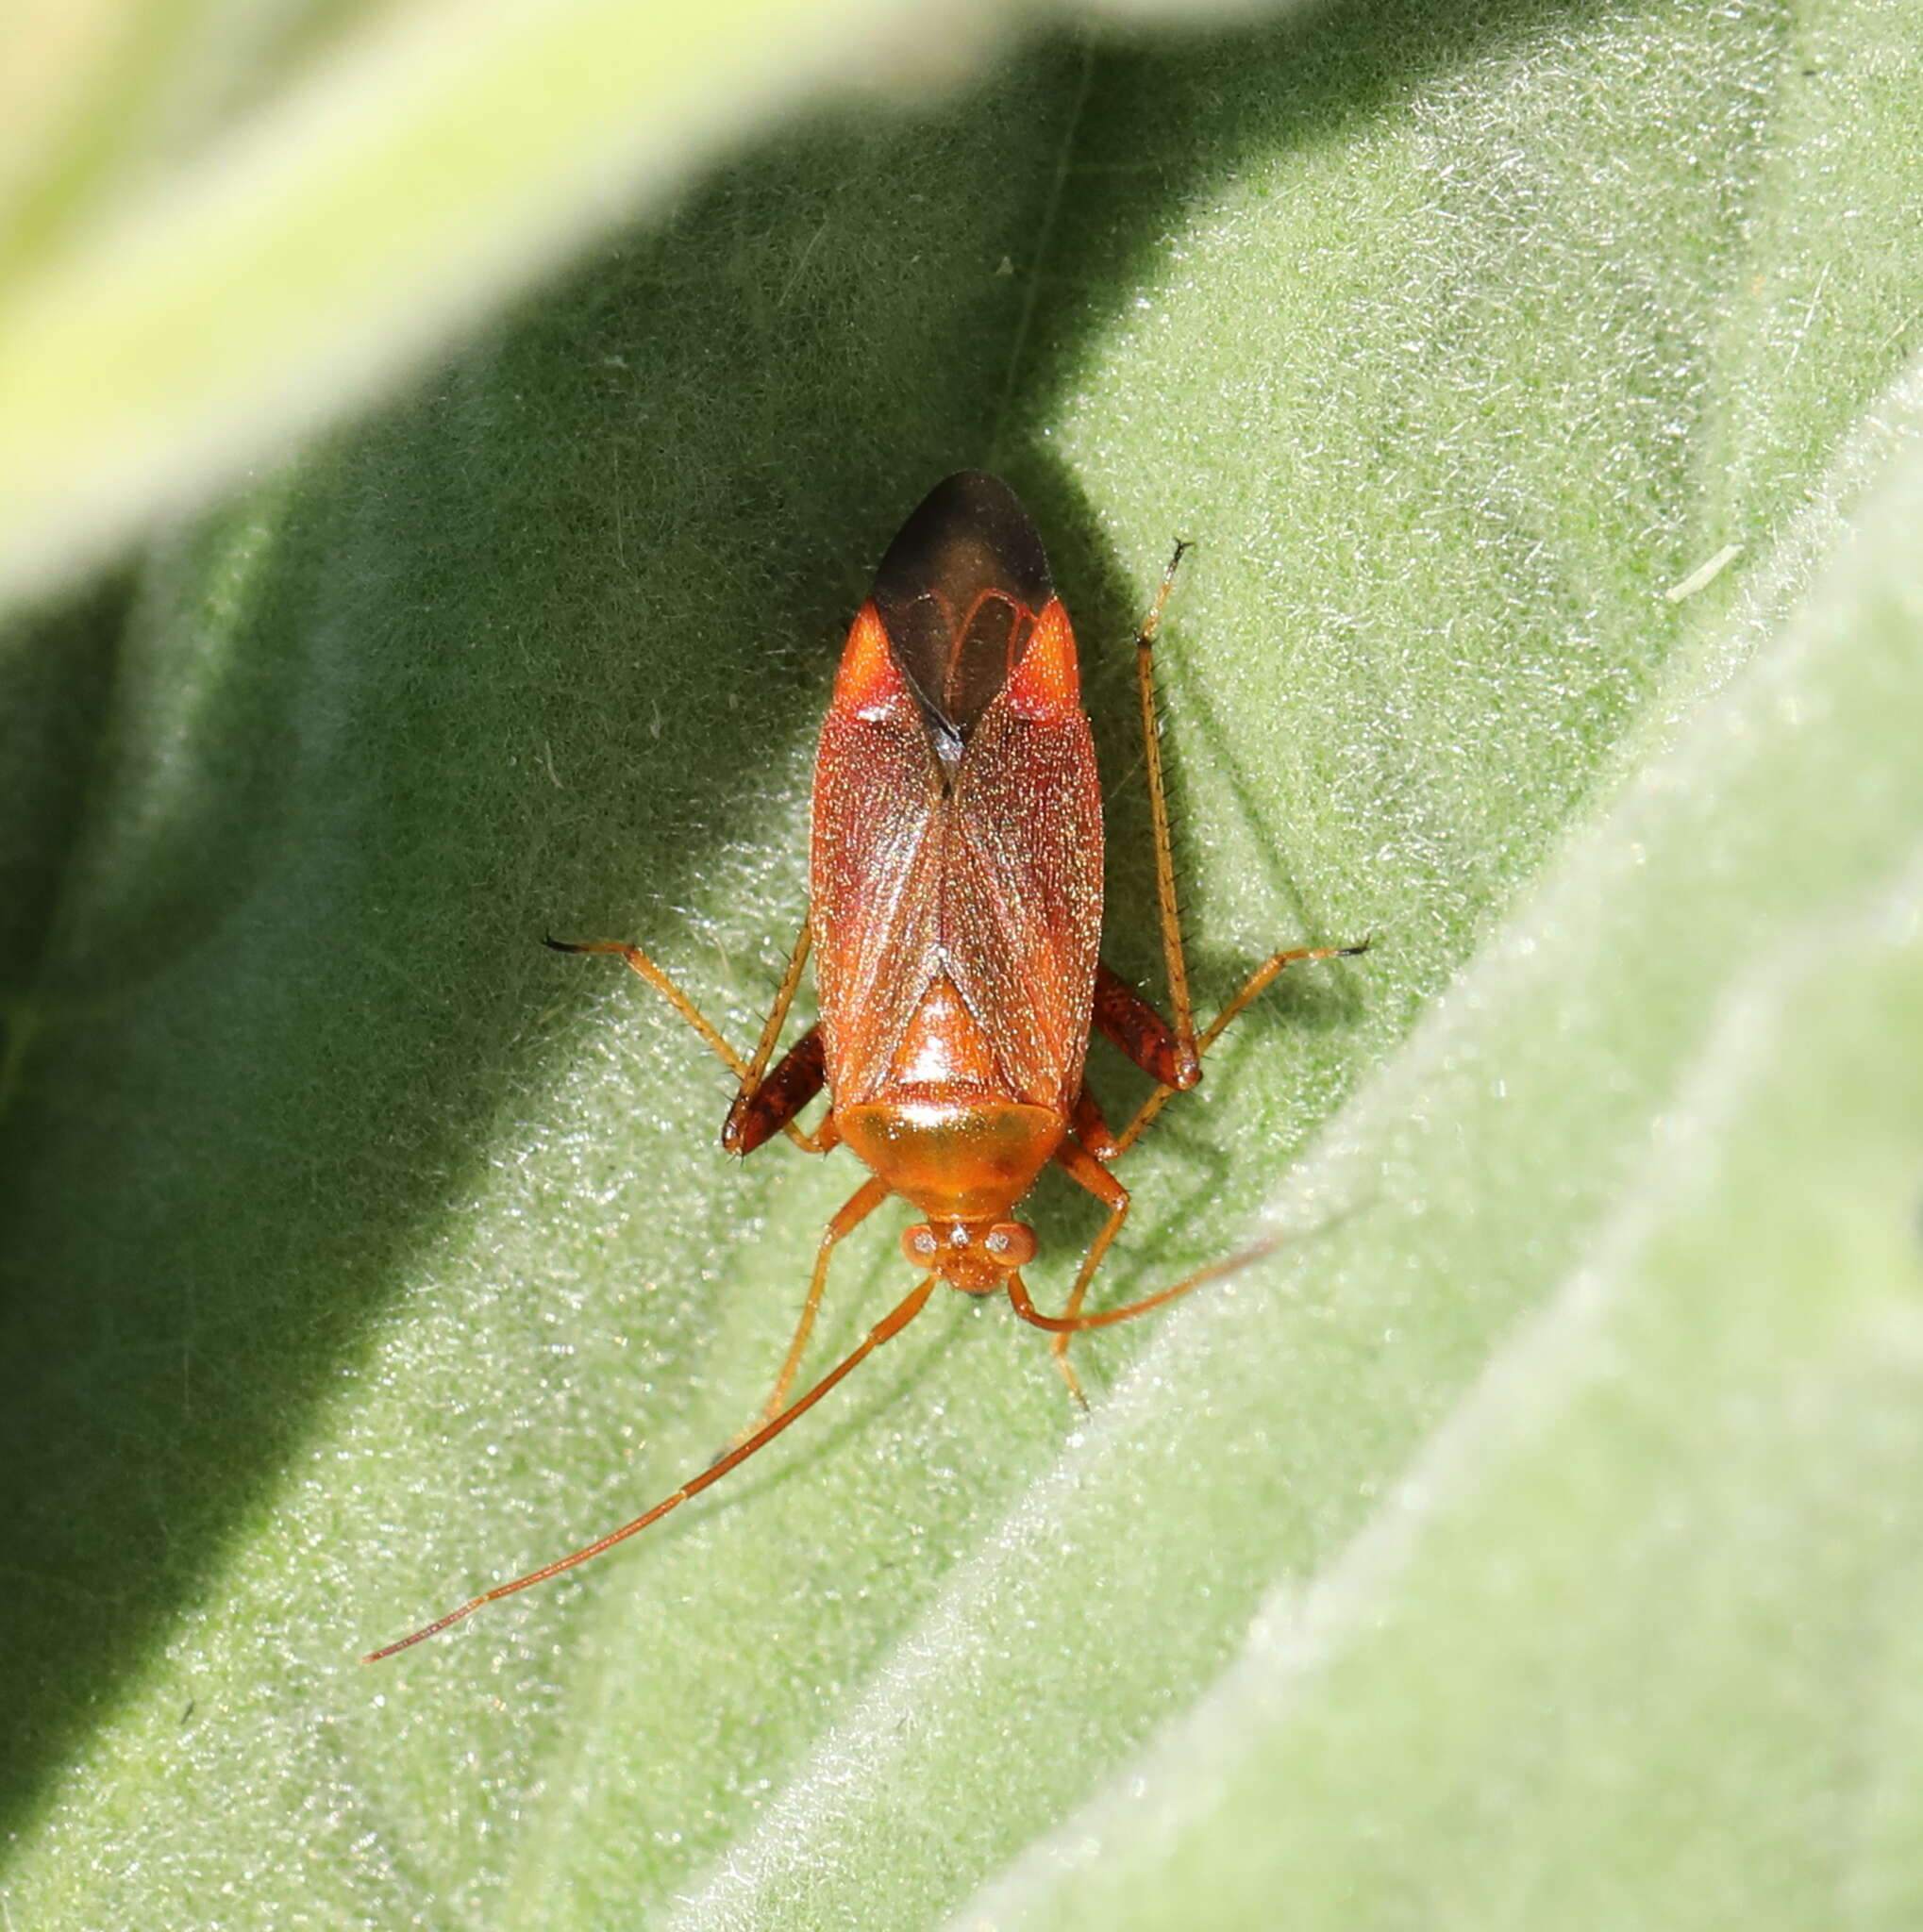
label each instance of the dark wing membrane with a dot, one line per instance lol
(958, 593)
(1021, 910)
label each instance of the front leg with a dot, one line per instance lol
(1084, 1168)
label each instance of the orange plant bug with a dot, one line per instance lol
(955, 919)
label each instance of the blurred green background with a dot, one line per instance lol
(441, 446)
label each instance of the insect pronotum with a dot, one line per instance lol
(955, 919)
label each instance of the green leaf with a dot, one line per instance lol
(220, 224)
(1532, 1539)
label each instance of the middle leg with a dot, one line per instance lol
(764, 1103)
(1252, 987)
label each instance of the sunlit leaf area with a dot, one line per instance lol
(442, 447)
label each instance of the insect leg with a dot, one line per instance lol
(772, 1103)
(853, 1211)
(748, 1073)
(1083, 1167)
(1253, 986)
(778, 1015)
(1087, 1124)
(1178, 1049)
(1186, 1060)
(1265, 974)
(1123, 1016)
(886, 1329)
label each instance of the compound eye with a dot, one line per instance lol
(920, 1245)
(1011, 1245)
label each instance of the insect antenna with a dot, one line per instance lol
(1074, 1324)
(889, 1325)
